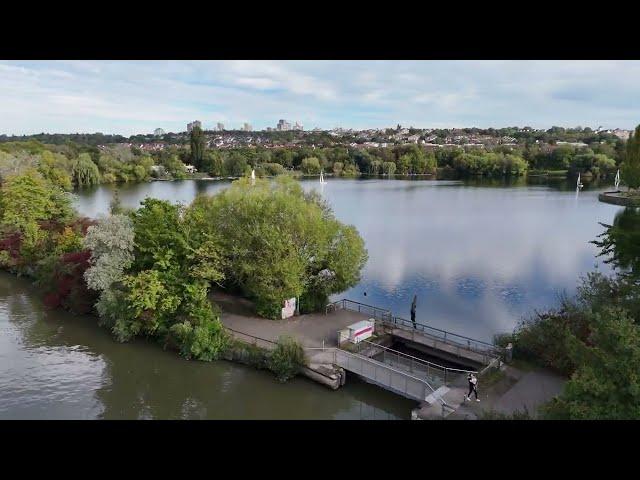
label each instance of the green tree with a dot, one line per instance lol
(236, 165)
(84, 171)
(631, 165)
(606, 384)
(278, 243)
(213, 163)
(389, 168)
(310, 165)
(621, 242)
(163, 292)
(160, 241)
(197, 142)
(28, 198)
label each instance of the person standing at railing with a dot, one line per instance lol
(473, 387)
(413, 311)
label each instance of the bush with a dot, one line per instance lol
(248, 354)
(287, 359)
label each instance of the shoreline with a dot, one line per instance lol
(620, 198)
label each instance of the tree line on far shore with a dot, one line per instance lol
(72, 165)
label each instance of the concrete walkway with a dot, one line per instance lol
(310, 330)
(517, 391)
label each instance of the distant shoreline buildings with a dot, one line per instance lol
(405, 135)
(194, 124)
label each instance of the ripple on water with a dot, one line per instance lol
(42, 380)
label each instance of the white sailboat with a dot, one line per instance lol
(579, 183)
(617, 180)
(322, 180)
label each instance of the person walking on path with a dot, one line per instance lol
(473, 387)
(413, 311)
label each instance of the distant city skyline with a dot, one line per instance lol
(132, 97)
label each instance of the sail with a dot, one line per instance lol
(617, 180)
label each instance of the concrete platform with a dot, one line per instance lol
(310, 330)
(620, 198)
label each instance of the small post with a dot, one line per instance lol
(508, 352)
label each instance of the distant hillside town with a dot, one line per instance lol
(286, 134)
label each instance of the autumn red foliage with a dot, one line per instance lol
(68, 287)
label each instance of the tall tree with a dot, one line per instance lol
(631, 165)
(197, 147)
(84, 171)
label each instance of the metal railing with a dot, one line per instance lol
(417, 366)
(382, 373)
(461, 341)
(387, 318)
(373, 312)
(252, 339)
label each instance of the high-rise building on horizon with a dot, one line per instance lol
(283, 125)
(247, 127)
(192, 125)
(220, 127)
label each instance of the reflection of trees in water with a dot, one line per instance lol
(621, 242)
(25, 310)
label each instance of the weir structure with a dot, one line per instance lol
(434, 374)
(439, 387)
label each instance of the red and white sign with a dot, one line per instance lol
(361, 330)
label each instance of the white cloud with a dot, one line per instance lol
(126, 96)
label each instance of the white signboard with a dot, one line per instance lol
(289, 308)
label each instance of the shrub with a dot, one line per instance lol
(287, 359)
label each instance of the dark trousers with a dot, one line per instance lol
(472, 389)
(413, 319)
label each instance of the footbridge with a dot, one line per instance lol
(437, 342)
(438, 387)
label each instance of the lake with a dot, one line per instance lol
(480, 255)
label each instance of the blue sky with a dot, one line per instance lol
(128, 97)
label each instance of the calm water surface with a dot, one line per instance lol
(479, 256)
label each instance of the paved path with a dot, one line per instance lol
(531, 391)
(516, 392)
(238, 314)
